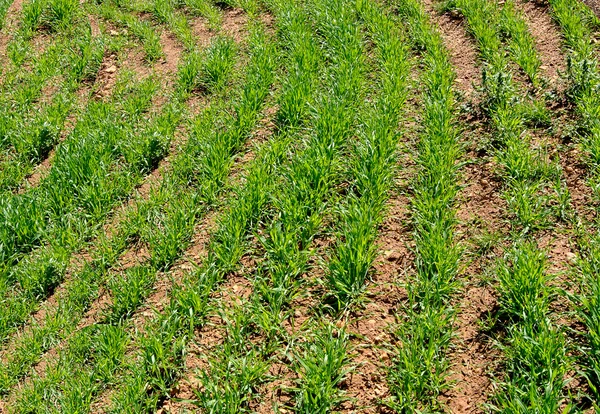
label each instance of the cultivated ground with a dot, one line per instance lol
(299, 206)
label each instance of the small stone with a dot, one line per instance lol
(114, 33)
(571, 256)
(485, 182)
(569, 169)
(391, 256)
(111, 69)
(297, 313)
(543, 67)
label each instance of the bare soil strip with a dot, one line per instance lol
(461, 49)
(211, 335)
(371, 327)
(10, 26)
(472, 356)
(547, 39)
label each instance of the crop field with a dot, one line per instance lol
(317, 206)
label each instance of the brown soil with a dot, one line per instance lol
(594, 5)
(575, 174)
(211, 334)
(107, 76)
(234, 24)
(172, 51)
(11, 22)
(371, 327)
(94, 26)
(472, 356)
(201, 32)
(547, 39)
(462, 52)
(39, 172)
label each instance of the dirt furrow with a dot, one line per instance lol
(11, 22)
(210, 336)
(547, 40)
(462, 52)
(472, 357)
(372, 327)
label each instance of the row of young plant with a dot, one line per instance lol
(32, 218)
(4, 7)
(84, 285)
(23, 88)
(372, 166)
(418, 375)
(109, 151)
(239, 365)
(36, 277)
(32, 123)
(205, 165)
(536, 359)
(141, 29)
(78, 295)
(318, 352)
(506, 24)
(303, 209)
(577, 24)
(166, 12)
(31, 133)
(159, 348)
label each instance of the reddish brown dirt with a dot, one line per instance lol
(10, 26)
(234, 24)
(472, 356)
(547, 39)
(236, 289)
(594, 5)
(462, 52)
(201, 32)
(39, 172)
(94, 26)
(172, 51)
(371, 327)
(575, 174)
(107, 76)
(274, 394)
